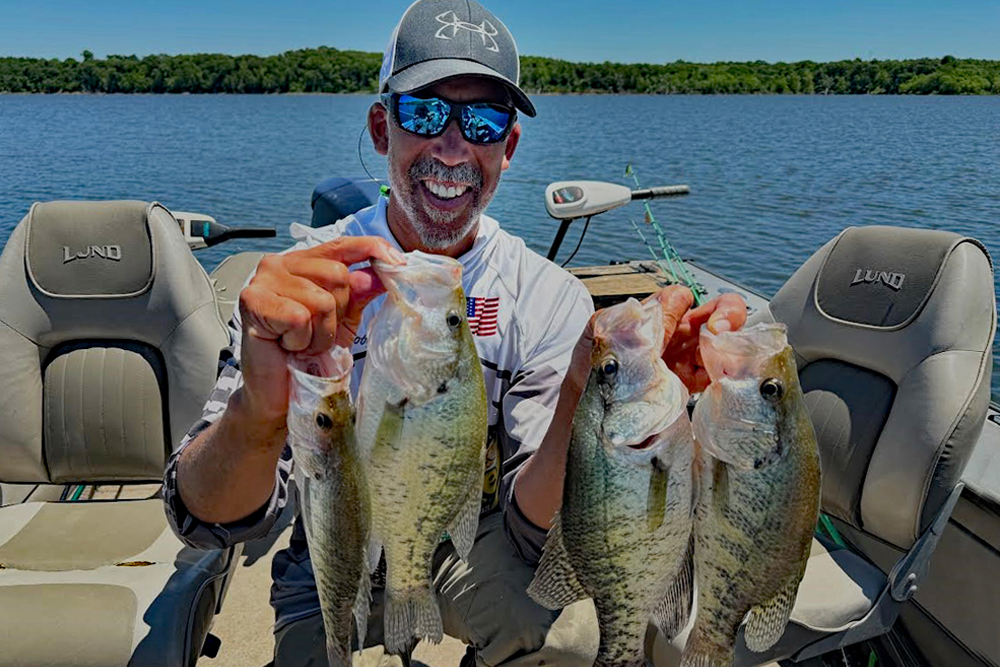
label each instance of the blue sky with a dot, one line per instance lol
(583, 30)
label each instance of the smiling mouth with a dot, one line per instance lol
(445, 191)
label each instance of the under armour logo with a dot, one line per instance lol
(486, 30)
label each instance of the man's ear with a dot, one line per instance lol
(378, 127)
(512, 139)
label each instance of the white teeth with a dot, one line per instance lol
(443, 192)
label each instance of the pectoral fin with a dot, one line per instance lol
(555, 584)
(362, 606)
(390, 426)
(373, 553)
(656, 503)
(465, 525)
(720, 486)
(766, 622)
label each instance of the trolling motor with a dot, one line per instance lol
(571, 200)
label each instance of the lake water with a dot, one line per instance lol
(772, 178)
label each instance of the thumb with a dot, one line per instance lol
(365, 286)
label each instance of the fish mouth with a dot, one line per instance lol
(645, 444)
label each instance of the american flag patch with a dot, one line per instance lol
(482, 314)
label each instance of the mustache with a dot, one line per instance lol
(428, 167)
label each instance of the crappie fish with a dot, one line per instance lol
(622, 536)
(759, 500)
(422, 420)
(334, 493)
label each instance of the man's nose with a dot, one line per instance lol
(450, 147)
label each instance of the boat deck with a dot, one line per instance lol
(246, 623)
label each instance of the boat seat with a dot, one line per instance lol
(839, 588)
(110, 334)
(229, 278)
(892, 330)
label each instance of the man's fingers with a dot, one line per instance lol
(354, 249)
(298, 339)
(365, 286)
(309, 294)
(723, 313)
(675, 301)
(269, 316)
(730, 315)
(328, 274)
(694, 377)
(324, 331)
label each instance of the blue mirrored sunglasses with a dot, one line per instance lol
(480, 122)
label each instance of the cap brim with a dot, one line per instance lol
(430, 72)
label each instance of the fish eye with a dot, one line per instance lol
(323, 421)
(609, 368)
(454, 319)
(771, 390)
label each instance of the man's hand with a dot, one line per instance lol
(682, 325)
(303, 302)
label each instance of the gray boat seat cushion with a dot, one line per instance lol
(892, 330)
(230, 276)
(110, 338)
(839, 588)
(103, 582)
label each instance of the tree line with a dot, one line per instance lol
(329, 70)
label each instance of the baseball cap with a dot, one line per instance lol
(443, 39)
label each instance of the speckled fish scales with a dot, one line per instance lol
(334, 492)
(760, 480)
(622, 536)
(422, 420)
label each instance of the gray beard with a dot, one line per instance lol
(437, 229)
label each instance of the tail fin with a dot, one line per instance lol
(414, 613)
(701, 653)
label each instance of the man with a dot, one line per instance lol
(446, 121)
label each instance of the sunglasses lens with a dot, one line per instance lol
(425, 117)
(485, 123)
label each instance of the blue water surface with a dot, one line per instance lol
(772, 177)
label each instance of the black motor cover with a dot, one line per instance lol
(339, 197)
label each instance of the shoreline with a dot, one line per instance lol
(592, 93)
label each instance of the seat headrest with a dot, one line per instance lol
(892, 330)
(886, 298)
(882, 276)
(90, 249)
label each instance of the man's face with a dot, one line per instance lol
(440, 185)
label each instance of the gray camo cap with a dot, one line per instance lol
(442, 39)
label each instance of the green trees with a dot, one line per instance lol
(329, 70)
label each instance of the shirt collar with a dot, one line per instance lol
(372, 221)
